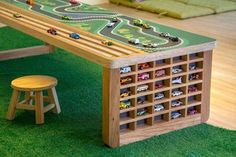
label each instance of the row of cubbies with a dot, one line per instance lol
(160, 91)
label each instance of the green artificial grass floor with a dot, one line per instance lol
(77, 130)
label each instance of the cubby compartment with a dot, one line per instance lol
(126, 92)
(144, 111)
(195, 66)
(161, 106)
(179, 80)
(195, 77)
(179, 69)
(127, 127)
(162, 72)
(162, 84)
(177, 114)
(160, 96)
(144, 87)
(193, 110)
(179, 59)
(127, 80)
(144, 76)
(143, 66)
(161, 118)
(162, 63)
(194, 88)
(144, 99)
(127, 69)
(144, 122)
(178, 102)
(195, 56)
(178, 92)
(127, 115)
(194, 99)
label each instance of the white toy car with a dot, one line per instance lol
(176, 103)
(158, 108)
(176, 70)
(109, 25)
(192, 67)
(175, 115)
(142, 88)
(150, 45)
(159, 96)
(141, 112)
(177, 80)
(165, 35)
(134, 41)
(125, 70)
(176, 93)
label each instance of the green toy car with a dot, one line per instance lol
(138, 22)
(17, 15)
(65, 18)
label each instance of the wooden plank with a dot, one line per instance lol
(111, 110)
(206, 85)
(54, 100)
(158, 129)
(25, 52)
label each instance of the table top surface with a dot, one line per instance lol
(95, 20)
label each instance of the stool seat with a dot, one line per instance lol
(34, 83)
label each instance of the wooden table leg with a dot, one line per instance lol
(111, 111)
(54, 100)
(39, 113)
(12, 107)
(206, 86)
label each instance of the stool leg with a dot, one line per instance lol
(54, 100)
(39, 107)
(12, 106)
(28, 97)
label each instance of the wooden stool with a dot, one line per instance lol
(33, 86)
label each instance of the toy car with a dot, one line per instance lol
(141, 112)
(160, 73)
(174, 39)
(75, 35)
(125, 104)
(150, 45)
(176, 103)
(146, 26)
(192, 112)
(17, 15)
(193, 77)
(176, 93)
(65, 17)
(192, 67)
(192, 89)
(74, 1)
(126, 80)
(143, 76)
(177, 80)
(143, 66)
(138, 22)
(158, 108)
(158, 85)
(124, 70)
(165, 35)
(175, 115)
(134, 41)
(114, 19)
(125, 93)
(111, 24)
(176, 70)
(159, 96)
(106, 42)
(142, 88)
(141, 99)
(52, 31)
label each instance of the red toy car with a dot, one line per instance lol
(158, 85)
(160, 73)
(143, 76)
(143, 66)
(52, 31)
(74, 1)
(192, 89)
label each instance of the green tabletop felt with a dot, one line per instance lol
(94, 19)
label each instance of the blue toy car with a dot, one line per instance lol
(75, 35)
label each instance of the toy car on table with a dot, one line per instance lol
(17, 15)
(75, 35)
(65, 17)
(134, 41)
(150, 45)
(52, 31)
(106, 42)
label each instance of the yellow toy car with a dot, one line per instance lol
(125, 104)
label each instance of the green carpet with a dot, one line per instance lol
(77, 130)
